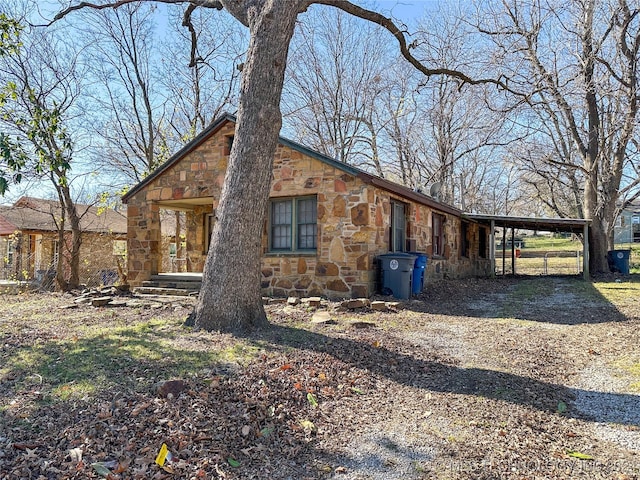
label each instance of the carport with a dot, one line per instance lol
(560, 225)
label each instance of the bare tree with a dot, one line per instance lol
(335, 75)
(41, 78)
(199, 85)
(577, 63)
(129, 112)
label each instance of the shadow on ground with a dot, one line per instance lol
(438, 375)
(562, 300)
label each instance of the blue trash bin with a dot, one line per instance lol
(619, 261)
(419, 269)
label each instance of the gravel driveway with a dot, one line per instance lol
(537, 384)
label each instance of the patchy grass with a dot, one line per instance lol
(523, 292)
(83, 360)
(546, 243)
(631, 366)
(626, 290)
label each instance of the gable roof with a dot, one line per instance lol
(37, 214)
(368, 178)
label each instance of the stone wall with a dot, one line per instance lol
(353, 220)
(98, 263)
(33, 262)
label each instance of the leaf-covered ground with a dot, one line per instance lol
(483, 379)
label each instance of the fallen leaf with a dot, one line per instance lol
(308, 425)
(136, 411)
(76, 455)
(562, 407)
(101, 469)
(26, 446)
(312, 400)
(162, 455)
(122, 466)
(581, 456)
(233, 462)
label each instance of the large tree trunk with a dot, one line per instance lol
(230, 298)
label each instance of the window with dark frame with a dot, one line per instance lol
(438, 234)
(398, 227)
(464, 239)
(293, 224)
(10, 252)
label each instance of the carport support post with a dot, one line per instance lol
(504, 250)
(585, 252)
(513, 252)
(492, 248)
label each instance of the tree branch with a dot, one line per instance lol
(196, 3)
(388, 24)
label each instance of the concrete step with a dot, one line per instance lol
(144, 290)
(177, 277)
(184, 285)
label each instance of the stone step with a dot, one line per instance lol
(192, 286)
(144, 290)
(177, 277)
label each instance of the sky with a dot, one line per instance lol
(407, 10)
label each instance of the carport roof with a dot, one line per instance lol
(575, 225)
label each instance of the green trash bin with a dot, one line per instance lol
(397, 274)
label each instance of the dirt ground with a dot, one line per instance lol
(485, 379)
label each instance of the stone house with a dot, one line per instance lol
(327, 221)
(30, 246)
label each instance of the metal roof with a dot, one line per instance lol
(575, 225)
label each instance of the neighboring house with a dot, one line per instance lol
(30, 247)
(627, 227)
(327, 224)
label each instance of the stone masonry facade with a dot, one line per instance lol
(353, 222)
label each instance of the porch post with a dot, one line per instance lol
(143, 240)
(513, 251)
(492, 248)
(585, 252)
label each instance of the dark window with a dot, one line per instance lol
(482, 243)
(209, 222)
(294, 224)
(464, 239)
(228, 145)
(438, 234)
(398, 227)
(10, 252)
